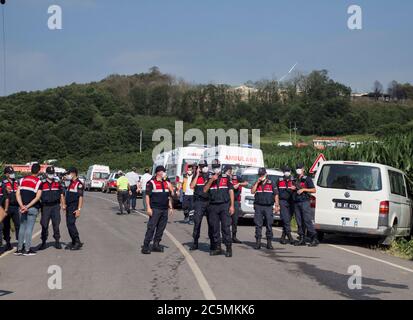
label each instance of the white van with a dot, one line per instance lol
(365, 199)
(239, 157)
(250, 175)
(96, 177)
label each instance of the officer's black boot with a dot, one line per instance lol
(257, 244)
(217, 251)
(235, 239)
(228, 253)
(8, 247)
(157, 247)
(314, 242)
(194, 246)
(290, 238)
(77, 246)
(269, 244)
(146, 249)
(43, 246)
(58, 245)
(300, 242)
(283, 239)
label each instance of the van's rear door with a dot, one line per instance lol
(348, 195)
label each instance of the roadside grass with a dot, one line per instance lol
(401, 248)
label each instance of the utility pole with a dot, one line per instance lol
(140, 143)
(291, 138)
(295, 132)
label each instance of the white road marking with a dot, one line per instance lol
(364, 255)
(199, 276)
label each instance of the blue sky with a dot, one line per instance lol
(210, 41)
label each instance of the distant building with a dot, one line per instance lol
(323, 143)
(244, 91)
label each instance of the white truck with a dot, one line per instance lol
(364, 199)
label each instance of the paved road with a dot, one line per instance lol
(111, 267)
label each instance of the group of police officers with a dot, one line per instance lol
(217, 195)
(21, 200)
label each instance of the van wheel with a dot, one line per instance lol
(320, 236)
(391, 237)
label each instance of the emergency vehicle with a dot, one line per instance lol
(96, 177)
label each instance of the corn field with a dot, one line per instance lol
(395, 151)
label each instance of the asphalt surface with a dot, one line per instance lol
(110, 266)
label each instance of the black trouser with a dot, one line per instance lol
(71, 222)
(50, 213)
(123, 200)
(261, 213)
(220, 221)
(234, 219)
(187, 205)
(201, 210)
(287, 212)
(156, 226)
(133, 197)
(12, 214)
(303, 215)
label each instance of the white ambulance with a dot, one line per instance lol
(96, 177)
(367, 199)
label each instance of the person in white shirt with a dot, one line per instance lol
(188, 195)
(144, 180)
(133, 178)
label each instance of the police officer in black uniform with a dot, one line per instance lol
(73, 206)
(304, 188)
(52, 200)
(286, 187)
(221, 208)
(201, 203)
(158, 200)
(9, 189)
(238, 184)
(266, 196)
(2, 213)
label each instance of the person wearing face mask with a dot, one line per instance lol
(201, 202)
(52, 202)
(158, 201)
(304, 188)
(3, 202)
(73, 204)
(286, 187)
(220, 209)
(188, 195)
(266, 203)
(11, 206)
(238, 185)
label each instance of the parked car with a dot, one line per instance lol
(110, 183)
(364, 199)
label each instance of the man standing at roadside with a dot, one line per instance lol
(158, 201)
(123, 193)
(144, 181)
(28, 197)
(133, 178)
(9, 189)
(188, 195)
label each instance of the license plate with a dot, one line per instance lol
(347, 206)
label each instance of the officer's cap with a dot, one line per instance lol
(203, 163)
(160, 168)
(8, 170)
(50, 170)
(300, 166)
(262, 171)
(227, 167)
(216, 163)
(286, 169)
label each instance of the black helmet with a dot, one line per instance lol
(286, 169)
(8, 170)
(203, 164)
(50, 170)
(160, 168)
(216, 164)
(262, 172)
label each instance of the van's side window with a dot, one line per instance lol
(397, 183)
(409, 189)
